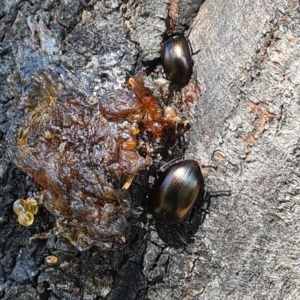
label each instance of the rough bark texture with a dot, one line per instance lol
(246, 135)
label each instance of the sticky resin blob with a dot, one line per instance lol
(81, 149)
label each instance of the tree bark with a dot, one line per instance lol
(245, 134)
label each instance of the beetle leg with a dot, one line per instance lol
(180, 238)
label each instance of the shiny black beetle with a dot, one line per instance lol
(177, 59)
(176, 192)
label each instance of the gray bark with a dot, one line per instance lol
(247, 133)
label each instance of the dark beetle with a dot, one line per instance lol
(177, 59)
(176, 191)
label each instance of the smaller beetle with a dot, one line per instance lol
(176, 192)
(177, 59)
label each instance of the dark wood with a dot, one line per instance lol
(245, 134)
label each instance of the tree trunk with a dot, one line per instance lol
(245, 133)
